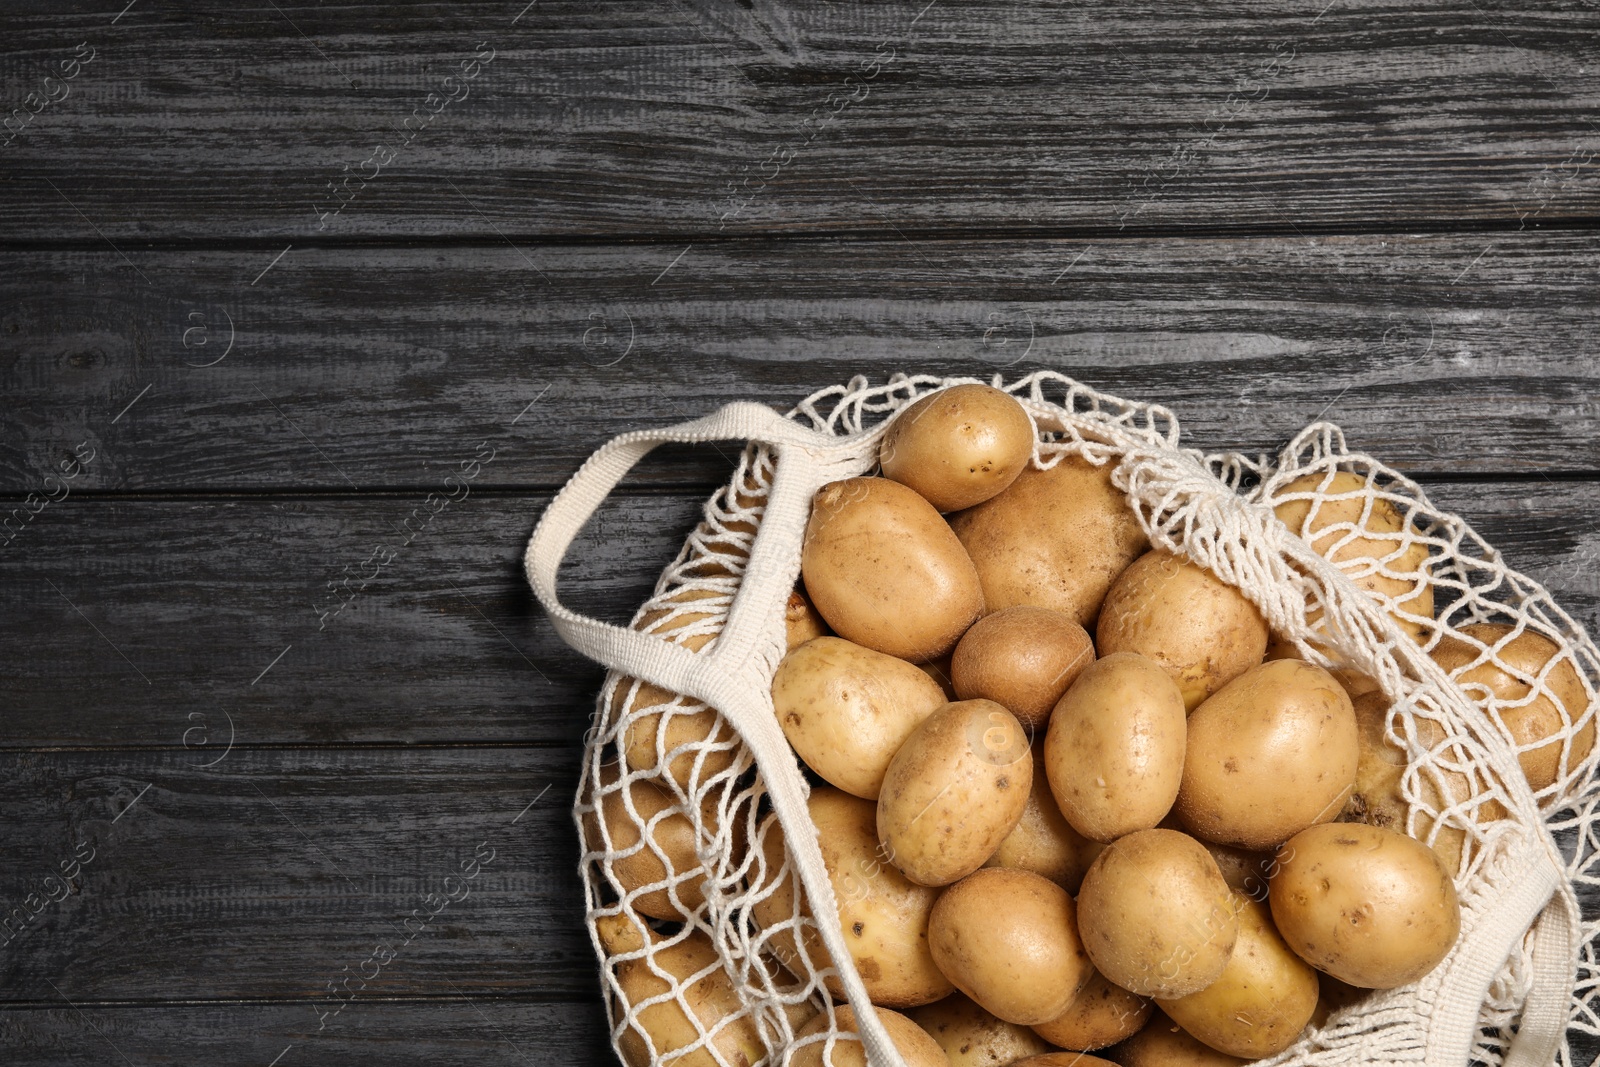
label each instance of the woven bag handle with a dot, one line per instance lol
(721, 675)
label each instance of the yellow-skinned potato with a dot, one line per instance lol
(1163, 1043)
(846, 710)
(910, 1040)
(973, 1037)
(1560, 702)
(1371, 907)
(958, 447)
(1272, 752)
(1356, 683)
(1155, 915)
(1263, 998)
(1023, 658)
(1043, 841)
(714, 1000)
(1358, 554)
(885, 571)
(1009, 940)
(1114, 752)
(1055, 539)
(954, 791)
(801, 621)
(883, 915)
(1101, 1015)
(1204, 632)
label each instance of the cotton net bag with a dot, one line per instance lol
(685, 757)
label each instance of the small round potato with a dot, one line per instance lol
(958, 447)
(884, 916)
(1055, 539)
(1101, 1015)
(1156, 917)
(910, 1040)
(846, 710)
(1371, 907)
(1350, 531)
(973, 1037)
(1043, 841)
(1507, 674)
(1163, 1043)
(884, 570)
(800, 619)
(1009, 940)
(1272, 752)
(1022, 657)
(1263, 999)
(954, 791)
(1204, 632)
(1114, 752)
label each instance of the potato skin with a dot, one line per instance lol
(1204, 632)
(959, 446)
(1155, 915)
(1101, 1015)
(846, 710)
(973, 1037)
(955, 789)
(1263, 999)
(1022, 657)
(1063, 1059)
(800, 620)
(1114, 752)
(1043, 841)
(885, 571)
(1009, 940)
(910, 1040)
(1272, 752)
(1163, 1043)
(1055, 539)
(1371, 907)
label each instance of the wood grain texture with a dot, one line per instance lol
(363, 369)
(700, 119)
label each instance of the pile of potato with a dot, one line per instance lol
(1072, 795)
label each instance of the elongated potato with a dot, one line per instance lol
(1054, 539)
(1023, 658)
(973, 1037)
(1163, 1043)
(959, 446)
(1099, 1016)
(846, 710)
(1261, 1001)
(885, 571)
(1114, 752)
(954, 791)
(1043, 841)
(910, 1040)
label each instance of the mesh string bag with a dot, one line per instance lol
(710, 908)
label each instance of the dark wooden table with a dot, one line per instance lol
(308, 308)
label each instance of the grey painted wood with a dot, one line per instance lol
(206, 120)
(363, 369)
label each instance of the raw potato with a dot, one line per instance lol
(1560, 701)
(1204, 632)
(972, 1037)
(801, 621)
(1043, 841)
(1022, 657)
(1163, 1043)
(1273, 752)
(885, 571)
(846, 710)
(960, 446)
(1359, 555)
(1371, 907)
(954, 791)
(1101, 1015)
(1063, 1059)
(1009, 940)
(714, 999)
(1115, 748)
(1156, 917)
(1262, 1001)
(1355, 682)
(910, 1040)
(883, 915)
(1055, 539)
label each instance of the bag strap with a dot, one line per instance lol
(1557, 937)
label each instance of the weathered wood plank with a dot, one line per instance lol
(445, 646)
(395, 368)
(299, 121)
